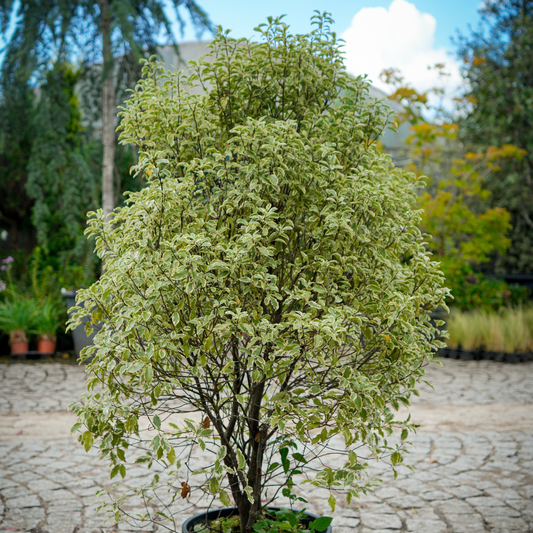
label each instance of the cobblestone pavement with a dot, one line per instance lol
(473, 459)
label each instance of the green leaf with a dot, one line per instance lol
(224, 498)
(241, 460)
(321, 523)
(214, 485)
(278, 396)
(396, 458)
(171, 456)
(228, 368)
(148, 374)
(221, 453)
(332, 501)
(157, 422)
(293, 521)
(299, 457)
(284, 452)
(207, 343)
(273, 466)
(249, 493)
(75, 427)
(87, 439)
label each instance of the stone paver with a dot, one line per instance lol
(473, 460)
(39, 388)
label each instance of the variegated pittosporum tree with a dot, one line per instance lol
(270, 282)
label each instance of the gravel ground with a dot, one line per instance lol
(473, 458)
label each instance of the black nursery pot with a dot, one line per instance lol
(202, 518)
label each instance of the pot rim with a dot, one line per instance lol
(46, 337)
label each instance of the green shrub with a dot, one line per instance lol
(472, 291)
(270, 278)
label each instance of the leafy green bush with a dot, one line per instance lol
(269, 282)
(472, 291)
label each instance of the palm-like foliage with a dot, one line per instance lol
(47, 320)
(62, 29)
(113, 33)
(17, 316)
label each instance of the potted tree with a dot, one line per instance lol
(17, 319)
(46, 325)
(266, 296)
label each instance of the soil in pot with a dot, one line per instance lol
(230, 518)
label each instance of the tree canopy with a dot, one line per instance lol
(498, 59)
(71, 30)
(270, 283)
(466, 231)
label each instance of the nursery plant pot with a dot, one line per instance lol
(18, 342)
(467, 355)
(80, 337)
(19, 347)
(46, 345)
(209, 516)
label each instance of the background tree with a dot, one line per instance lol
(63, 169)
(466, 230)
(16, 138)
(105, 32)
(50, 177)
(498, 59)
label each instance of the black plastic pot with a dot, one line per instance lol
(483, 355)
(202, 518)
(81, 340)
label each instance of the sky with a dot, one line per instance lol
(406, 34)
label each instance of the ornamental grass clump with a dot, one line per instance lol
(269, 283)
(509, 330)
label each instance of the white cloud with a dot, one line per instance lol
(401, 37)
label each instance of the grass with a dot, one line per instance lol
(510, 330)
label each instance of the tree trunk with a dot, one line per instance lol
(108, 111)
(249, 513)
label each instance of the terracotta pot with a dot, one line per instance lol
(46, 345)
(19, 347)
(18, 342)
